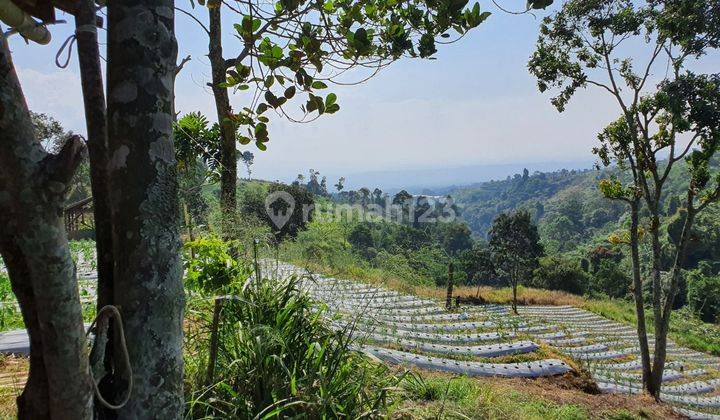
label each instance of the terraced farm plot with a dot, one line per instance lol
(483, 340)
(490, 341)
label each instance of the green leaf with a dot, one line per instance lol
(538, 4)
(330, 100)
(329, 6)
(271, 99)
(289, 92)
(318, 85)
(269, 81)
(260, 146)
(262, 107)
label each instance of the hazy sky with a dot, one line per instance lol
(474, 104)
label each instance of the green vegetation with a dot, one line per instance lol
(325, 246)
(462, 397)
(275, 356)
(675, 118)
(515, 246)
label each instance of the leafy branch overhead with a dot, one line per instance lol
(296, 48)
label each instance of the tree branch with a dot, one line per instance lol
(687, 148)
(182, 64)
(60, 168)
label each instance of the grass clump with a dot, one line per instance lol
(461, 397)
(277, 358)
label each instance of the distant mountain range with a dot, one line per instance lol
(427, 181)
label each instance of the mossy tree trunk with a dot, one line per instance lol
(34, 245)
(147, 279)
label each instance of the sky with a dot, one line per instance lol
(474, 106)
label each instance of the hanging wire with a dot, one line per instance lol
(91, 28)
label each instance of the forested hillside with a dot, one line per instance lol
(567, 205)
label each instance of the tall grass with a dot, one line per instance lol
(277, 358)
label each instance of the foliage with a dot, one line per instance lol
(558, 273)
(323, 243)
(478, 264)
(295, 48)
(611, 279)
(247, 158)
(515, 244)
(213, 269)
(431, 262)
(278, 359)
(704, 242)
(565, 204)
(441, 396)
(703, 293)
(583, 44)
(292, 204)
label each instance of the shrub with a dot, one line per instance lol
(398, 265)
(322, 242)
(703, 294)
(430, 262)
(212, 267)
(611, 279)
(556, 273)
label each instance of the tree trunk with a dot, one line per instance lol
(656, 270)
(95, 113)
(448, 299)
(147, 279)
(514, 283)
(34, 244)
(33, 403)
(228, 154)
(661, 332)
(638, 295)
(94, 101)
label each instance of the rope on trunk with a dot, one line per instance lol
(110, 311)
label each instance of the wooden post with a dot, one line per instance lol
(448, 300)
(212, 358)
(256, 262)
(188, 224)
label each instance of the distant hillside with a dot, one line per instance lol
(569, 208)
(418, 180)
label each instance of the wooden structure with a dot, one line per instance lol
(79, 216)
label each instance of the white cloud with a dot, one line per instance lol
(57, 93)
